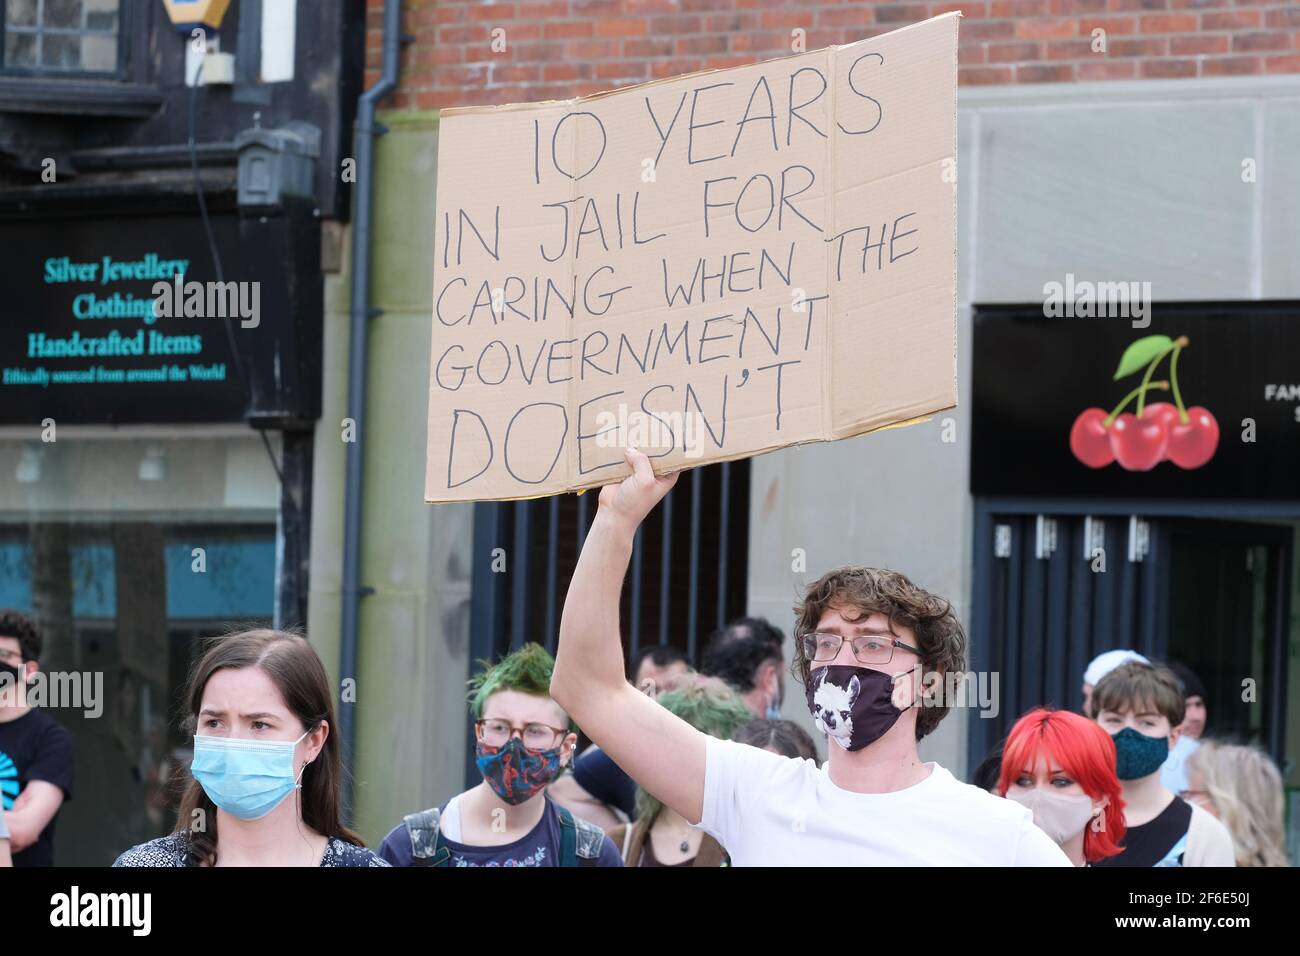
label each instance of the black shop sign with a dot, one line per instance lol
(1190, 401)
(123, 321)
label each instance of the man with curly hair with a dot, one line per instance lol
(872, 650)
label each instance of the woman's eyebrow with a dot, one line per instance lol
(213, 712)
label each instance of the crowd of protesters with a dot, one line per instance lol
(690, 768)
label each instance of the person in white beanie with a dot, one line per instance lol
(1102, 665)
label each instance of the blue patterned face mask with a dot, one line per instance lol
(515, 773)
(1137, 755)
(246, 778)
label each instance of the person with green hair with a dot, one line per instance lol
(523, 741)
(661, 836)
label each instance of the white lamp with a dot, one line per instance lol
(28, 471)
(153, 466)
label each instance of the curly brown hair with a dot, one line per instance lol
(929, 617)
(21, 628)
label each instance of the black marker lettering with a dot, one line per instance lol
(794, 113)
(705, 337)
(532, 432)
(451, 446)
(771, 201)
(663, 137)
(693, 126)
(587, 358)
(778, 366)
(437, 371)
(437, 306)
(580, 437)
(604, 141)
(770, 115)
(895, 234)
(880, 111)
(686, 411)
(493, 250)
(717, 205)
(786, 197)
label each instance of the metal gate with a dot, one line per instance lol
(1053, 590)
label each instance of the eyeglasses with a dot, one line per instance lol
(822, 646)
(497, 733)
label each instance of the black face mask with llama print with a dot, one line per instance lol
(853, 706)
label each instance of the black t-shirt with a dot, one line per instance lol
(35, 747)
(605, 780)
(1161, 841)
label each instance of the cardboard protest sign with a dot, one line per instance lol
(707, 267)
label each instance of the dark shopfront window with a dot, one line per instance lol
(130, 601)
(60, 36)
(1184, 551)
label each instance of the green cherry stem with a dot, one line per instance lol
(1179, 345)
(1162, 386)
(1142, 389)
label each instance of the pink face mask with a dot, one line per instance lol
(1062, 816)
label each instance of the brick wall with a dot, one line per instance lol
(555, 49)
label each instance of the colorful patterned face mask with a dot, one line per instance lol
(515, 773)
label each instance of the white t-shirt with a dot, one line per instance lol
(769, 810)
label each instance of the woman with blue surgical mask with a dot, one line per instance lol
(264, 781)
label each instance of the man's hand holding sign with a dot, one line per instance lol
(702, 268)
(706, 267)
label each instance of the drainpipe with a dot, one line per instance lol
(361, 313)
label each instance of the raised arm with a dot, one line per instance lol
(661, 752)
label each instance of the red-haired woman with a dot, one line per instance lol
(1062, 767)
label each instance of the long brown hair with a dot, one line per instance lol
(298, 674)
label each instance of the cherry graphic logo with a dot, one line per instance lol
(1089, 439)
(1165, 413)
(1138, 443)
(1155, 432)
(1192, 443)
